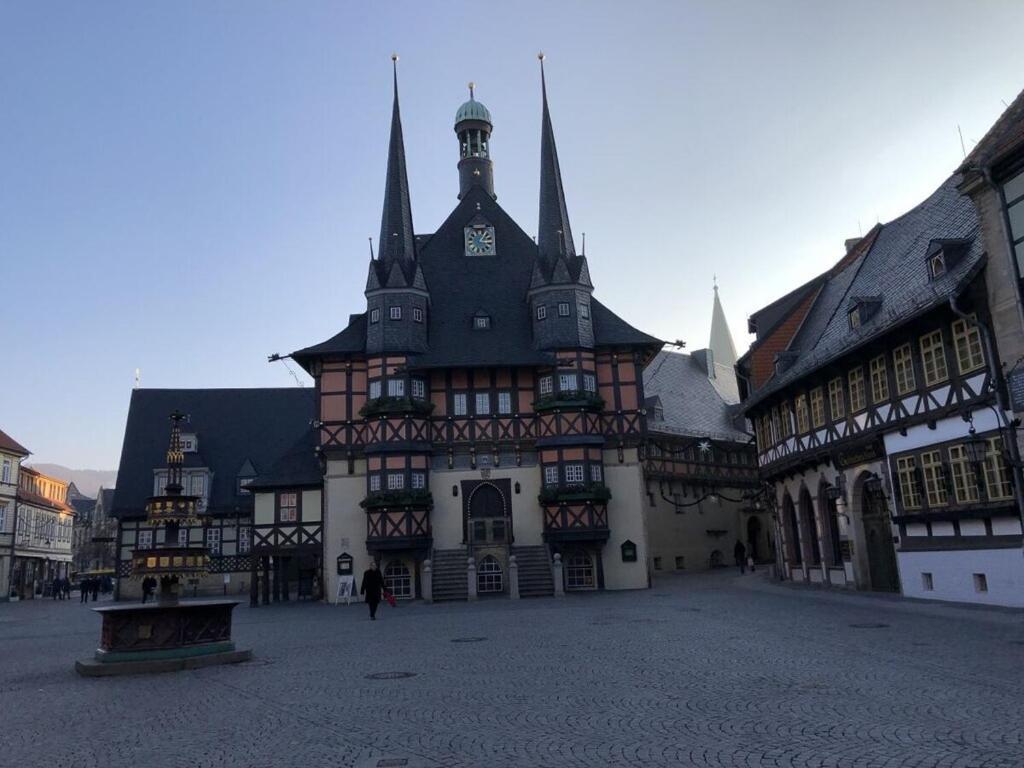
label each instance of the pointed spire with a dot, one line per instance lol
(554, 235)
(721, 344)
(396, 233)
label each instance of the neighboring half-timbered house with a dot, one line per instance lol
(231, 435)
(873, 398)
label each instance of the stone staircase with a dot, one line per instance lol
(448, 570)
(534, 571)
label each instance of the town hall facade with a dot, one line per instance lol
(483, 426)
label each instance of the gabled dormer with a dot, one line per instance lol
(944, 254)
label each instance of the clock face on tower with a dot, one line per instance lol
(479, 240)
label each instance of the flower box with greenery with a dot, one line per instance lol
(417, 498)
(574, 398)
(575, 492)
(383, 406)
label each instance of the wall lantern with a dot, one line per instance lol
(455, 490)
(976, 447)
(518, 487)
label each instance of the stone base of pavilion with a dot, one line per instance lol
(141, 639)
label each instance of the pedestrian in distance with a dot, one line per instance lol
(740, 553)
(66, 588)
(372, 586)
(94, 589)
(57, 589)
(83, 588)
(148, 586)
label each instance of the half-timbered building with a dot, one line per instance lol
(875, 399)
(484, 426)
(231, 435)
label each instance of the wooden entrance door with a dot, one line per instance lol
(878, 542)
(488, 534)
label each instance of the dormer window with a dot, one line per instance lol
(944, 254)
(189, 444)
(481, 322)
(861, 309)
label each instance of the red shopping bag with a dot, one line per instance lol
(390, 598)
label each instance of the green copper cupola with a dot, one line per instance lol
(473, 127)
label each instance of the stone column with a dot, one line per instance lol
(470, 578)
(556, 575)
(427, 585)
(513, 577)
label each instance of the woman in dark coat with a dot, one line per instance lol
(372, 587)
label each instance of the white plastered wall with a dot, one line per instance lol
(626, 520)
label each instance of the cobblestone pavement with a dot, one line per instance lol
(712, 670)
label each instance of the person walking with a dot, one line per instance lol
(66, 587)
(94, 588)
(740, 553)
(372, 586)
(57, 588)
(83, 589)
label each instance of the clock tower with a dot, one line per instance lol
(473, 127)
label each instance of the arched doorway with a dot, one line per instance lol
(833, 549)
(487, 517)
(489, 576)
(882, 570)
(754, 538)
(579, 570)
(808, 528)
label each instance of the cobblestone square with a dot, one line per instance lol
(703, 670)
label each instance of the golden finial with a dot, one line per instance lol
(472, 86)
(540, 56)
(394, 57)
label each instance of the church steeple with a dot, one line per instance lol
(397, 242)
(554, 235)
(721, 344)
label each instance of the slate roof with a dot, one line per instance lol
(84, 508)
(894, 268)
(298, 466)
(691, 403)
(1005, 136)
(9, 444)
(106, 499)
(462, 286)
(231, 426)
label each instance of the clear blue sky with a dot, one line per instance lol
(187, 187)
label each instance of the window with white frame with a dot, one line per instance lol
(213, 540)
(398, 579)
(967, 339)
(374, 315)
(396, 387)
(396, 481)
(289, 506)
(244, 539)
(3, 517)
(542, 312)
(7, 471)
(395, 313)
(551, 475)
(584, 311)
(903, 368)
(374, 482)
(595, 473)
(419, 480)
(567, 382)
(243, 485)
(574, 473)
(374, 390)
(589, 383)
(481, 322)
(417, 315)
(933, 358)
(144, 539)
(546, 385)
(459, 404)
(504, 402)
(419, 389)
(483, 404)
(199, 485)
(159, 483)
(563, 309)
(183, 537)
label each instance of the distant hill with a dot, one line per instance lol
(88, 481)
